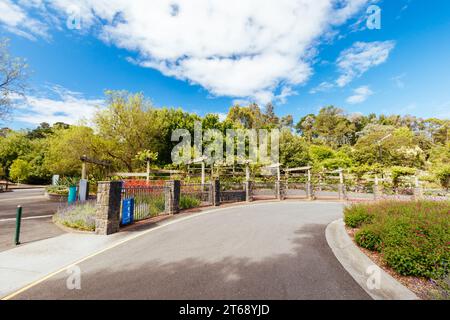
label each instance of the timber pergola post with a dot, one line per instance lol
(341, 186)
(308, 185)
(279, 193)
(248, 182)
(202, 160)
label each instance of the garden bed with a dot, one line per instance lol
(79, 217)
(409, 240)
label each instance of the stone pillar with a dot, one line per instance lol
(248, 191)
(216, 192)
(279, 190)
(172, 194)
(107, 217)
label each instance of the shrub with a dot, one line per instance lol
(188, 202)
(398, 172)
(157, 205)
(413, 237)
(59, 190)
(443, 175)
(80, 216)
(356, 216)
(369, 238)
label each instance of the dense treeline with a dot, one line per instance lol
(130, 125)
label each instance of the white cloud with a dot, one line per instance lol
(360, 95)
(241, 49)
(361, 57)
(18, 21)
(59, 105)
(323, 87)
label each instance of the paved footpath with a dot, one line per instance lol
(262, 251)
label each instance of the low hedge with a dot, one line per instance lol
(413, 237)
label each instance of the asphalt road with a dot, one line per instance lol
(263, 251)
(32, 200)
(34, 205)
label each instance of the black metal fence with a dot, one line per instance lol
(264, 190)
(149, 201)
(232, 192)
(195, 195)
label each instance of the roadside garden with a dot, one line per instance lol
(412, 239)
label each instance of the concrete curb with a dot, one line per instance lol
(361, 268)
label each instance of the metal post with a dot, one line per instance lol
(18, 223)
(247, 173)
(148, 171)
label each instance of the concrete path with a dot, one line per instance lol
(32, 230)
(27, 264)
(260, 251)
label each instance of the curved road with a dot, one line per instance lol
(260, 251)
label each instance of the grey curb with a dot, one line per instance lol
(357, 265)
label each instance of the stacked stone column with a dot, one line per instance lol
(107, 218)
(172, 197)
(216, 193)
(279, 191)
(248, 191)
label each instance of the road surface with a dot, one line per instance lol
(263, 251)
(32, 200)
(36, 225)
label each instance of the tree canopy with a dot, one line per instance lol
(130, 129)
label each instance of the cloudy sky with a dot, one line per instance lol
(205, 55)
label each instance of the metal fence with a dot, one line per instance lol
(359, 189)
(195, 195)
(264, 190)
(232, 192)
(148, 201)
(294, 189)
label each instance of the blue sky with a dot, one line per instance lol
(205, 55)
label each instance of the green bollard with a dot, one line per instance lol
(18, 222)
